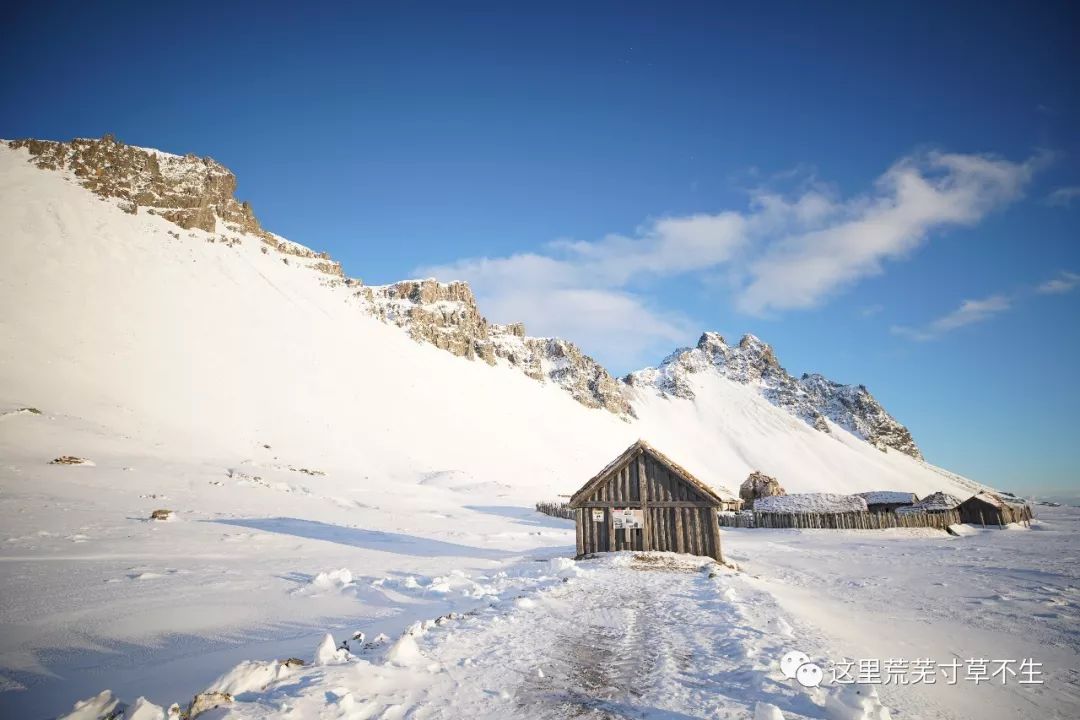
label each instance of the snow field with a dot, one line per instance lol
(623, 634)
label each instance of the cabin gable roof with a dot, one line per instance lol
(626, 457)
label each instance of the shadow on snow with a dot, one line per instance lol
(369, 539)
(524, 515)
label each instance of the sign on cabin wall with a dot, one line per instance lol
(627, 519)
(598, 515)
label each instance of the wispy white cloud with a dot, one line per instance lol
(970, 312)
(854, 239)
(785, 251)
(870, 310)
(1063, 196)
(1063, 283)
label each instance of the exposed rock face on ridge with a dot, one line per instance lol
(443, 314)
(446, 315)
(193, 192)
(198, 193)
(811, 397)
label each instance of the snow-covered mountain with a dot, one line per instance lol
(163, 207)
(198, 193)
(811, 397)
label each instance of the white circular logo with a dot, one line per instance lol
(790, 663)
(808, 675)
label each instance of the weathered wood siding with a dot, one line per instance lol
(978, 512)
(678, 518)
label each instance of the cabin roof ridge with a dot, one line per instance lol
(643, 446)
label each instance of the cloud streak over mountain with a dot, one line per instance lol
(970, 312)
(784, 252)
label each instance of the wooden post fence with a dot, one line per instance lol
(840, 521)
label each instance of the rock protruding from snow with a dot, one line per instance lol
(813, 398)
(446, 315)
(208, 701)
(70, 460)
(759, 485)
(192, 192)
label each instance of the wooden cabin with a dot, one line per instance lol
(990, 509)
(644, 501)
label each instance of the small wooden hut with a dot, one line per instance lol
(644, 501)
(990, 509)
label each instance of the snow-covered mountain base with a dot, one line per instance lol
(239, 380)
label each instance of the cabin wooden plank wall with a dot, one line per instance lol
(677, 516)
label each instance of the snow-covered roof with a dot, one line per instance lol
(888, 497)
(630, 452)
(998, 500)
(989, 499)
(934, 502)
(810, 502)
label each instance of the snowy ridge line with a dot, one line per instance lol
(195, 192)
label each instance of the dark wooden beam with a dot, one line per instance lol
(653, 503)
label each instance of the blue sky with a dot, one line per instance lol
(889, 195)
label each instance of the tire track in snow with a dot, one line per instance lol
(626, 638)
(604, 661)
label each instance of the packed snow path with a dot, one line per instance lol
(627, 636)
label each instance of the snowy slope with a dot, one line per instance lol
(293, 433)
(113, 319)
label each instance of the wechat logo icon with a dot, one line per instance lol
(796, 665)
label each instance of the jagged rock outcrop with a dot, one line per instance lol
(198, 193)
(759, 485)
(446, 315)
(588, 381)
(811, 397)
(192, 192)
(443, 314)
(855, 409)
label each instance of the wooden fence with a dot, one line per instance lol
(555, 509)
(840, 521)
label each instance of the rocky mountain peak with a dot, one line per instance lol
(195, 193)
(191, 191)
(446, 315)
(714, 346)
(758, 355)
(813, 398)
